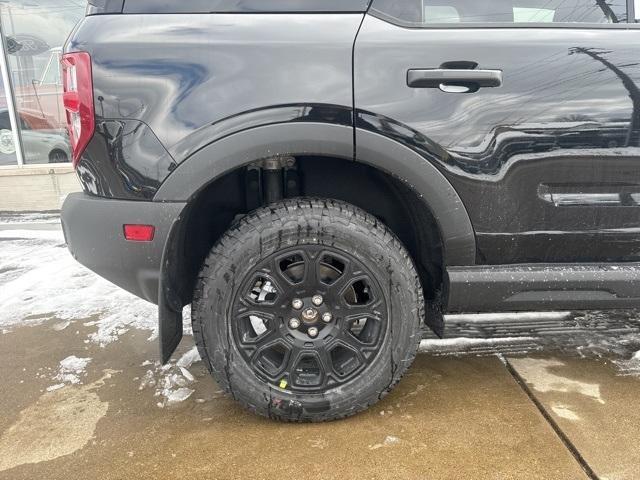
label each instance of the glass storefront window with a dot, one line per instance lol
(7, 143)
(35, 31)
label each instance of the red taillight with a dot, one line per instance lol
(139, 233)
(77, 98)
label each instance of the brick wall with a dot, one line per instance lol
(36, 188)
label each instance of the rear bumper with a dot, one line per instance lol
(93, 229)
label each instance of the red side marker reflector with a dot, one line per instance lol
(139, 233)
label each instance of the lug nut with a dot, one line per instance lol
(294, 323)
(297, 304)
(317, 300)
(313, 332)
(327, 317)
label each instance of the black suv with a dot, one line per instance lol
(318, 178)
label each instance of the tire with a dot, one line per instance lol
(58, 156)
(243, 305)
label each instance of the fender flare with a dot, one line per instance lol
(296, 139)
(322, 139)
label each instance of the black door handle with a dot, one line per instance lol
(460, 81)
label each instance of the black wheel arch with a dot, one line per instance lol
(218, 161)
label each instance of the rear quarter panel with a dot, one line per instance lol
(182, 74)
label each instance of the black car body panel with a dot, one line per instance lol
(526, 155)
(100, 245)
(240, 66)
(98, 7)
(124, 160)
(245, 6)
(553, 153)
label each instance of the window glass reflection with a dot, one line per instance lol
(7, 145)
(504, 11)
(36, 31)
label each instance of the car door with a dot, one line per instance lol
(530, 108)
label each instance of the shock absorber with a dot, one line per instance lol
(273, 169)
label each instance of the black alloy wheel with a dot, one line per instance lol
(310, 318)
(308, 310)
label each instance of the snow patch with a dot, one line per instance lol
(428, 346)
(178, 395)
(631, 366)
(58, 327)
(55, 387)
(70, 371)
(189, 358)
(22, 218)
(42, 282)
(171, 382)
(507, 317)
(389, 441)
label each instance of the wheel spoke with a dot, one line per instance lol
(309, 368)
(311, 277)
(325, 363)
(289, 269)
(270, 336)
(263, 310)
(351, 340)
(271, 359)
(345, 358)
(336, 289)
(352, 312)
(363, 331)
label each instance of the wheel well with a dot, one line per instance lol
(55, 152)
(233, 195)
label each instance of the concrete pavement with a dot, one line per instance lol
(550, 396)
(451, 417)
(595, 408)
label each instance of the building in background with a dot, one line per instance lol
(35, 172)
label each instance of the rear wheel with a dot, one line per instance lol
(308, 310)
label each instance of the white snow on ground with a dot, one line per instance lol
(171, 382)
(70, 371)
(631, 366)
(455, 344)
(189, 358)
(508, 316)
(389, 441)
(40, 281)
(22, 218)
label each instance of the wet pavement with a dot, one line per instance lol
(548, 396)
(593, 406)
(451, 416)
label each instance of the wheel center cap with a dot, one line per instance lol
(310, 315)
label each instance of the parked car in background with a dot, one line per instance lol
(319, 178)
(42, 142)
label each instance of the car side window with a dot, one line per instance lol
(429, 12)
(5, 123)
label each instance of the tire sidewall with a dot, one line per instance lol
(376, 248)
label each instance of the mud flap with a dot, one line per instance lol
(434, 318)
(170, 328)
(169, 303)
